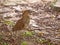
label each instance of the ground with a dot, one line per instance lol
(44, 25)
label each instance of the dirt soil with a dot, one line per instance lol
(45, 30)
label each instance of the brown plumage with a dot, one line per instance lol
(23, 22)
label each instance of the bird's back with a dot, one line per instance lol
(19, 25)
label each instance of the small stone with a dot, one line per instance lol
(47, 15)
(58, 17)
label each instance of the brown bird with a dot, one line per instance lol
(23, 22)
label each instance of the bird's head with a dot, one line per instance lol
(27, 12)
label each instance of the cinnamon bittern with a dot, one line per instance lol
(23, 22)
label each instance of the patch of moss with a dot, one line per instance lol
(27, 33)
(24, 43)
(53, 3)
(4, 43)
(8, 23)
(0, 37)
